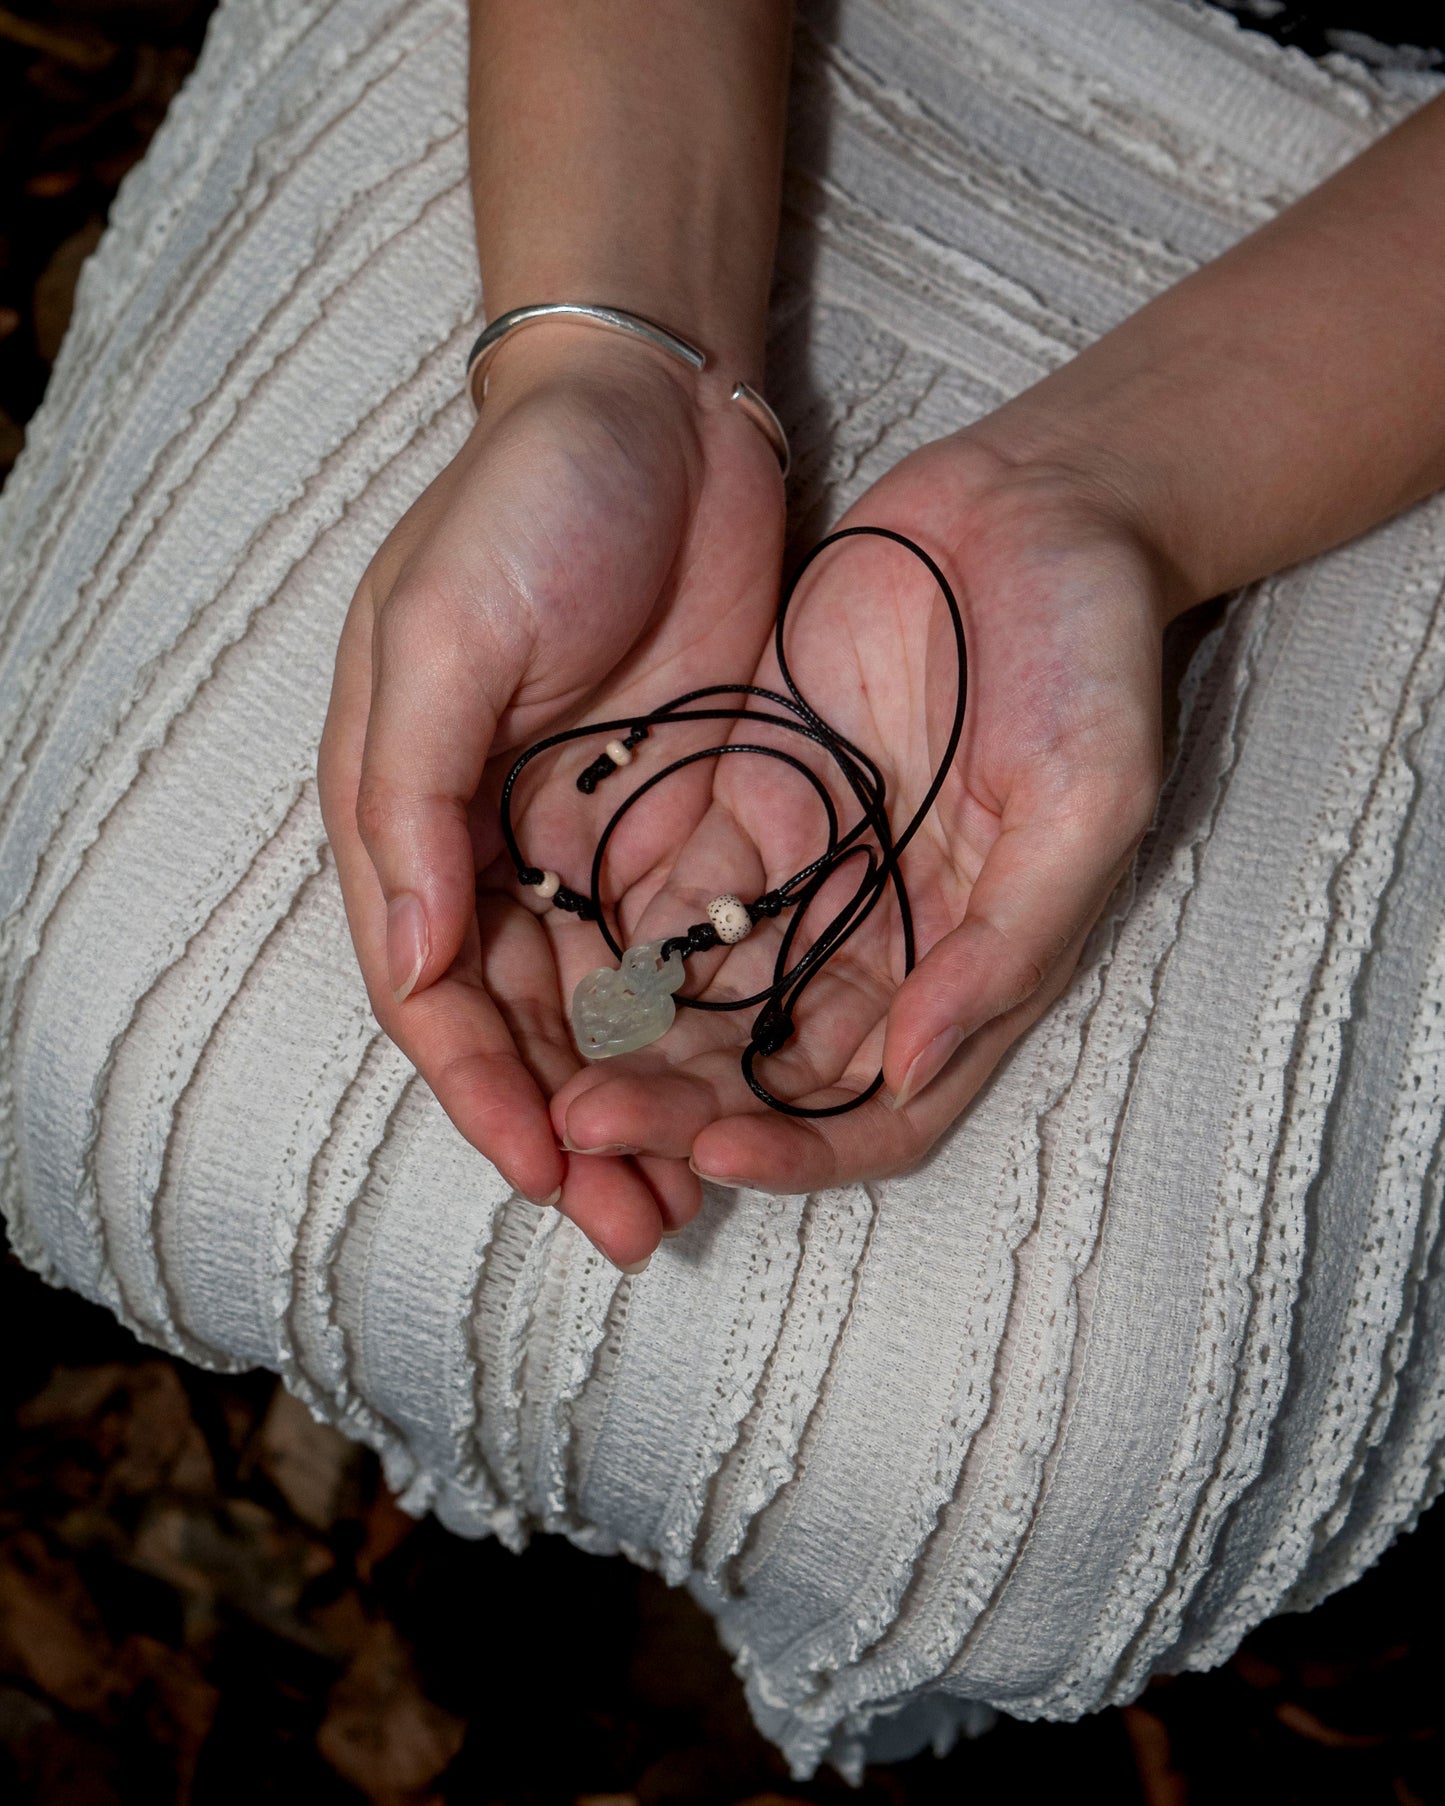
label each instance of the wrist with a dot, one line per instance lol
(606, 370)
(631, 155)
(684, 290)
(711, 391)
(1047, 496)
(1113, 468)
(600, 394)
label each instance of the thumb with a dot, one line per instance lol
(1037, 894)
(428, 734)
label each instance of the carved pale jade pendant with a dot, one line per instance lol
(616, 1010)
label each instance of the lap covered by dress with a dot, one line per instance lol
(1149, 1346)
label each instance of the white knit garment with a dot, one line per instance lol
(1149, 1347)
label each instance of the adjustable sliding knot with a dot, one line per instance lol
(698, 939)
(769, 904)
(772, 1031)
(581, 907)
(588, 780)
(613, 756)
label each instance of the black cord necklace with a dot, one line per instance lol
(618, 1010)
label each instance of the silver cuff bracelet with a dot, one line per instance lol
(747, 398)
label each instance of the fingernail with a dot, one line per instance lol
(637, 1266)
(927, 1065)
(406, 943)
(667, 1232)
(716, 1178)
(547, 1203)
(611, 1147)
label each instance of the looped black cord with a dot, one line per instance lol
(698, 939)
(774, 1025)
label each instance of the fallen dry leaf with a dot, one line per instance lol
(238, 1556)
(1304, 1724)
(381, 1732)
(387, 1528)
(1159, 1781)
(55, 288)
(136, 1422)
(81, 46)
(50, 1630)
(312, 1464)
(177, 1702)
(1254, 1672)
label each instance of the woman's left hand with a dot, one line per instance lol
(1054, 783)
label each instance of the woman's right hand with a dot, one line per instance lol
(604, 540)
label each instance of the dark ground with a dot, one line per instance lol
(206, 1597)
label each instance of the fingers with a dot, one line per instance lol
(1040, 888)
(776, 1153)
(452, 1031)
(624, 1207)
(612, 1205)
(481, 1074)
(661, 1111)
(675, 1187)
(435, 699)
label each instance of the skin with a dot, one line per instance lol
(611, 534)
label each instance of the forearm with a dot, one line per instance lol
(630, 152)
(1283, 398)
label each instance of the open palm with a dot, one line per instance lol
(1054, 782)
(599, 541)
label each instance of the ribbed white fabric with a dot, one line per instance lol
(1150, 1346)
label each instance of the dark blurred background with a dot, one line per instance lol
(207, 1597)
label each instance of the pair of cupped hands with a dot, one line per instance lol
(607, 539)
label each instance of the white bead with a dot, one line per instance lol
(618, 753)
(549, 886)
(729, 916)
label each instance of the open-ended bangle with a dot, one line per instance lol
(620, 320)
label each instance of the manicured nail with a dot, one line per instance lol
(716, 1178)
(637, 1266)
(547, 1203)
(927, 1065)
(406, 943)
(611, 1147)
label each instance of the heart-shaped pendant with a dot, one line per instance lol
(616, 1010)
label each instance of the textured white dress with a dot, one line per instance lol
(1150, 1346)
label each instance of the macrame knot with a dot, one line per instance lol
(772, 1032)
(613, 757)
(588, 780)
(581, 907)
(698, 939)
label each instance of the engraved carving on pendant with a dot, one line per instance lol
(617, 1009)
